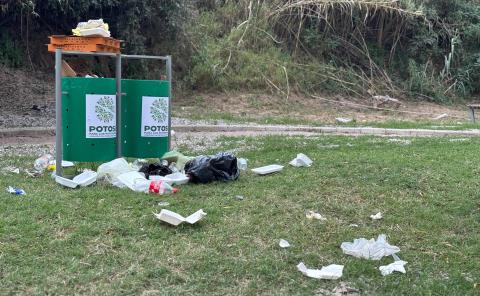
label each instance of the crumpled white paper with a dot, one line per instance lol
(284, 244)
(330, 272)
(395, 266)
(369, 249)
(313, 215)
(377, 216)
(301, 161)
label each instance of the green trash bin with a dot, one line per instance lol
(145, 118)
(88, 119)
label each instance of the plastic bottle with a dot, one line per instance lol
(161, 187)
(42, 162)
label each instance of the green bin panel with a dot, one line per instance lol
(97, 144)
(145, 137)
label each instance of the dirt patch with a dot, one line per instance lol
(26, 98)
(323, 109)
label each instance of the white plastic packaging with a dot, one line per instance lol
(176, 219)
(269, 169)
(301, 161)
(242, 164)
(41, 163)
(111, 170)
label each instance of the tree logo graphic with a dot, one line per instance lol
(159, 110)
(104, 109)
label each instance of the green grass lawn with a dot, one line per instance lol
(102, 240)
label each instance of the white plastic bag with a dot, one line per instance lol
(301, 161)
(111, 170)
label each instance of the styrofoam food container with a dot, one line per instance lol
(86, 178)
(170, 217)
(160, 178)
(273, 168)
(178, 178)
(66, 182)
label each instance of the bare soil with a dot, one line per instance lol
(27, 100)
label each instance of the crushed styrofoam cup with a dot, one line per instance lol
(283, 244)
(313, 215)
(377, 216)
(175, 219)
(301, 161)
(369, 249)
(330, 272)
(398, 265)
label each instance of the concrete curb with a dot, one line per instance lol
(354, 131)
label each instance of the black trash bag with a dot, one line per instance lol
(220, 167)
(155, 169)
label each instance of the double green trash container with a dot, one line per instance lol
(89, 118)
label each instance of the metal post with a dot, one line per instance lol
(169, 78)
(118, 77)
(58, 112)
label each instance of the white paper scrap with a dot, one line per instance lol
(395, 266)
(330, 272)
(369, 249)
(284, 244)
(313, 215)
(377, 216)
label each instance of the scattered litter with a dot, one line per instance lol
(178, 158)
(284, 244)
(177, 178)
(176, 219)
(383, 101)
(156, 169)
(369, 249)
(400, 141)
(330, 272)
(459, 140)
(441, 116)
(301, 161)
(164, 203)
(52, 165)
(160, 178)
(343, 120)
(242, 164)
(341, 290)
(84, 179)
(11, 169)
(41, 163)
(377, 216)
(353, 225)
(111, 170)
(133, 180)
(269, 169)
(172, 133)
(16, 191)
(161, 188)
(239, 197)
(92, 28)
(398, 265)
(331, 146)
(313, 215)
(219, 167)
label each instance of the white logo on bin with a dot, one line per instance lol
(154, 117)
(100, 116)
